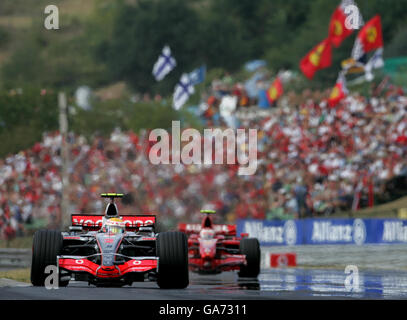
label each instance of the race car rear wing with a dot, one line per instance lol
(221, 229)
(91, 222)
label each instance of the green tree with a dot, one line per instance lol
(139, 34)
(398, 45)
(223, 43)
(26, 65)
(24, 115)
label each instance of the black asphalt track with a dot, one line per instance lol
(289, 283)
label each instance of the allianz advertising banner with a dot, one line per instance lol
(325, 231)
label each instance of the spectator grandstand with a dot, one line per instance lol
(312, 160)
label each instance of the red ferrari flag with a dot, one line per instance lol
(369, 38)
(338, 92)
(275, 91)
(318, 58)
(337, 27)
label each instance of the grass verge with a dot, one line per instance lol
(19, 243)
(22, 275)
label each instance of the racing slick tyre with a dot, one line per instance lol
(172, 252)
(47, 245)
(251, 248)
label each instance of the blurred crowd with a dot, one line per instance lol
(226, 95)
(312, 160)
(318, 160)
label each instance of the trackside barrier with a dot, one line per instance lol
(15, 258)
(21, 258)
(283, 260)
(325, 231)
(271, 259)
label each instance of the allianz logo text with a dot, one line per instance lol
(394, 231)
(286, 233)
(328, 232)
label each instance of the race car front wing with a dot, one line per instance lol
(226, 263)
(83, 264)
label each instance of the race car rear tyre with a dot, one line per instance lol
(251, 248)
(47, 244)
(172, 252)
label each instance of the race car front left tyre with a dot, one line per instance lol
(251, 248)
(47, 245)
(172, 252)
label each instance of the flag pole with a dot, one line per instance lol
(63, 128)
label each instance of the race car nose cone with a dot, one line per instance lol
(107, 268)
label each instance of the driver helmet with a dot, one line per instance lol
(207, 234)
(114, 225)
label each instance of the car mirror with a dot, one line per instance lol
(145, 229)
(75, 228)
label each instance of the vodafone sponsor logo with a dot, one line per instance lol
(87, 222)
(192, 227)
(96, 221)
(137, 223)
(217, 227)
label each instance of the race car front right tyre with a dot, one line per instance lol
(172, 252)
(251, 248)
(47, 245)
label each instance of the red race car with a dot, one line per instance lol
(213, 248)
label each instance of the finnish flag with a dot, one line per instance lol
(198, 75)
(183, 90)
(164, 64)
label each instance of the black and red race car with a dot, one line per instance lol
(213, 248)
(112, 250)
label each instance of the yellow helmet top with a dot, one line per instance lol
(115, 225)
